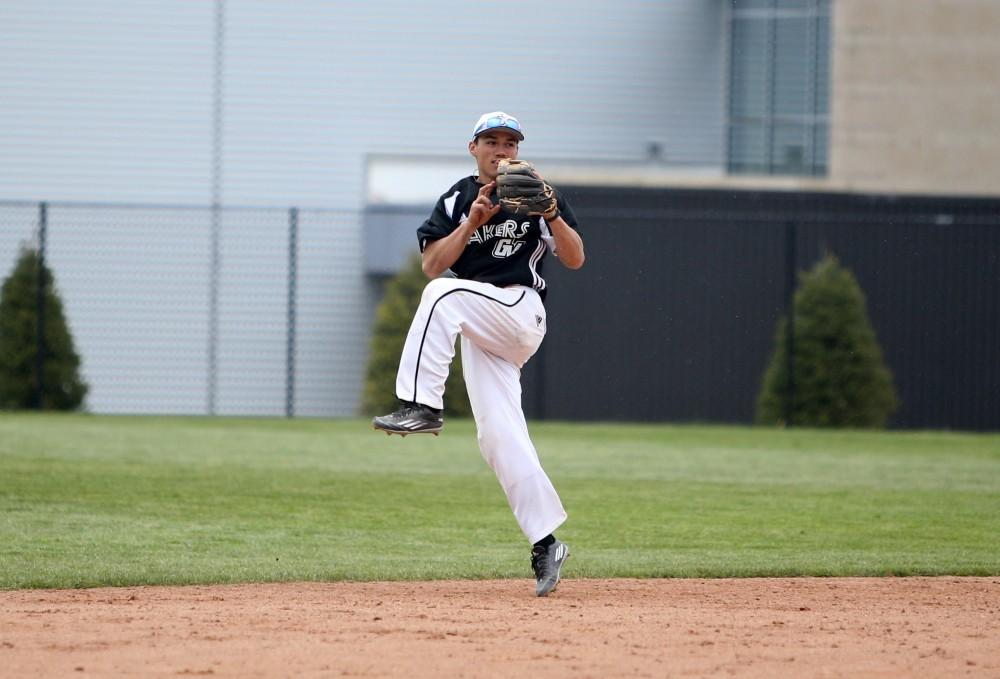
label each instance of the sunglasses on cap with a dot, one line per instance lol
(497, 122)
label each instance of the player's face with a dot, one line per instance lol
(491, 147)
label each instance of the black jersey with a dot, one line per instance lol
(507, 250)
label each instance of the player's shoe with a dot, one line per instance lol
(410, 418)
(547, 562)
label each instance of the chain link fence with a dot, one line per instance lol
(260, 311)
(195, 310)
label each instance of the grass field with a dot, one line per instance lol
(87, 501)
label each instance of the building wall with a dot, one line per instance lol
(916, 96)
(112, 101)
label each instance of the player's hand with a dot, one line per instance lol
(483, 209)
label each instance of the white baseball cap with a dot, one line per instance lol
(498, 120)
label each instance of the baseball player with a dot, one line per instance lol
(494, 299)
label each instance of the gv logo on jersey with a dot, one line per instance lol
(505, 247)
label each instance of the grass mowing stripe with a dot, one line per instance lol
(100, 500)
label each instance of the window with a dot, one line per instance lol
(779, 86)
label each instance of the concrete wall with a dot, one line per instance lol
(916, 96)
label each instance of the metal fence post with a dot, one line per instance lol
(790, 272)
(293, 270)
(213, 280)
(43, 227)
(213, 309)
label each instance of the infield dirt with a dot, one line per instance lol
(796, 627)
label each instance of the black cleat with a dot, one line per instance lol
(410, 418)
(547, 562)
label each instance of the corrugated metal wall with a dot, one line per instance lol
(106, 100)
(112, 101)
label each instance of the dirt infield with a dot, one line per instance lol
(802, 627)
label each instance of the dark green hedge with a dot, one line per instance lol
(840, 378)
(63, 389)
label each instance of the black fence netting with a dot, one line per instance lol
(674, 315)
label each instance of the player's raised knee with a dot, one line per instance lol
(436, 288)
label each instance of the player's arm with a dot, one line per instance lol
(439, 255)
(519, 183)
(569, 245)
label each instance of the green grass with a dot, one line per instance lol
(87, 501)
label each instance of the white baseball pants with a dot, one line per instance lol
(501, 329)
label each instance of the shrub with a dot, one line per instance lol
(62, 387)
(392, 322)
(840, 378)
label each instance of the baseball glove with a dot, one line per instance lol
(520, 190)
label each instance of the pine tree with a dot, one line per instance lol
(840, 378)
(392, 322)
(62, 387)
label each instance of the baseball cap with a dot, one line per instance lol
(498, 120)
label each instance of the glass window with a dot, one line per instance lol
(751, 46)
(779, 86)
(823, 65)
(752, 4)
(820, 140)
(792, 68)
(793, 4)
(747, 148)
(791, 148)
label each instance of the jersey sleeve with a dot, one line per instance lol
(442, 220)
(566, 212)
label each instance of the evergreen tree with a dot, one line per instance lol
(840, 378)
(63, 388)
(392, 322)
